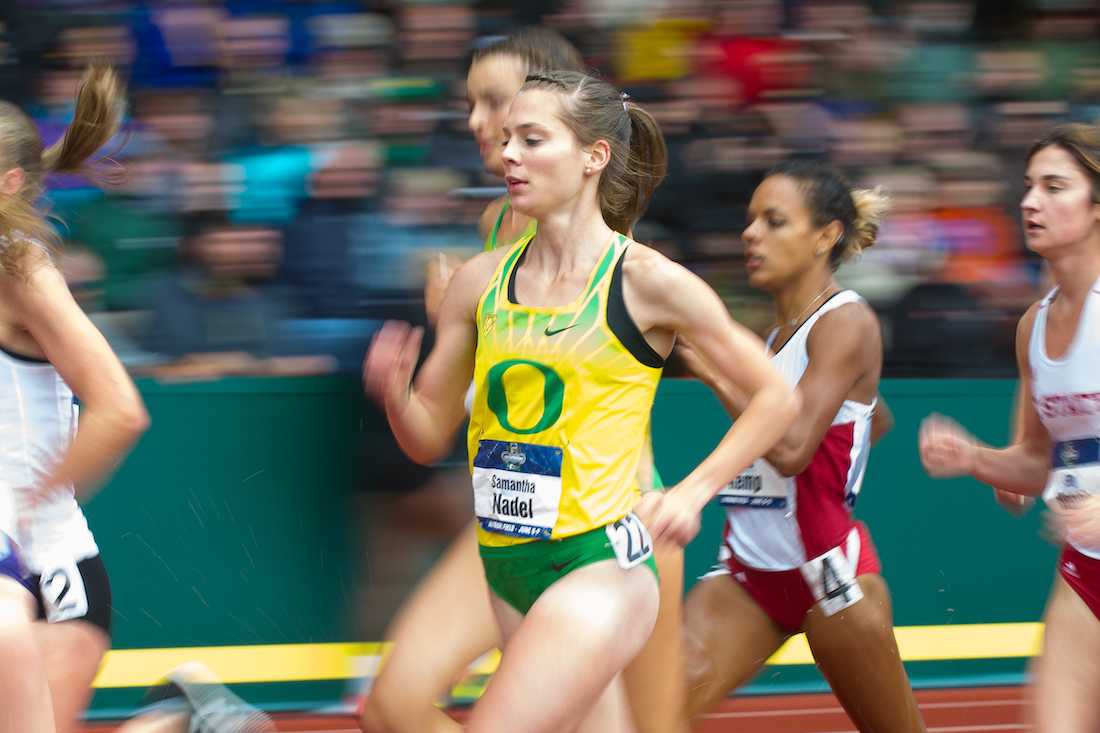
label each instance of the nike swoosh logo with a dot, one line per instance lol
(553, 331)
(558, 568)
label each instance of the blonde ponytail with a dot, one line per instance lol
(871, 206)
(96, 118)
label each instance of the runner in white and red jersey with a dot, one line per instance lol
(1056, 448)
(777, 523)
(793, 557)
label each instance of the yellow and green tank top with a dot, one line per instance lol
(491, 238)
(561, 409)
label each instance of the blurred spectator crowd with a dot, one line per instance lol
(292, 164)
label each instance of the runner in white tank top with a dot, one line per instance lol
(49, 350)
(777, 522)
(1066, 394)
(38, 417)
(1055, 450)
(40, 461)
(793, 558)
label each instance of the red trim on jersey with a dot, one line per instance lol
(824, 518)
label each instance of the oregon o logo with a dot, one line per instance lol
(553, 390)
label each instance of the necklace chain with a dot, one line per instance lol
(794, 321)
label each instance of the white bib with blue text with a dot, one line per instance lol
(517, 488)
(759, 486)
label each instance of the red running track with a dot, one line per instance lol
(961, 710)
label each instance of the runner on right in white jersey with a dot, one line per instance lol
(1056, 448)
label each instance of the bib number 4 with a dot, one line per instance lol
(831, 576)
(630, 540)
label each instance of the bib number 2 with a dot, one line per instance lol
(630, 540)
(63, 594)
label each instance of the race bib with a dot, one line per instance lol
(760, 487)
(831, 576)
(63, 593)
(1068, 486)
(630, 540)
(1075, 472)
(517, 488)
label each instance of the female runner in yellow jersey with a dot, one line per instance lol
(565, 334)
(429, 651)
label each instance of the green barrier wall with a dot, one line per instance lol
(230, 525)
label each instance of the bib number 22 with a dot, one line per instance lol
(630, 540)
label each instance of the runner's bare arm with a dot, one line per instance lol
(843, 348)
(664, 296)
(425, 414)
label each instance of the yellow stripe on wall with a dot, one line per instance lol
(259, 663)
(306, 662)
(943, 643)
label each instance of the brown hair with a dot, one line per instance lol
(96, 119)
(540, 49)
(594, 110)
(830, 197)
(1083, 143)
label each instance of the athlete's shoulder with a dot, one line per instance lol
(852, 320)
(851, 312)
(649, 271)
(490, 216)
(475, 273)
(1024, 328)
